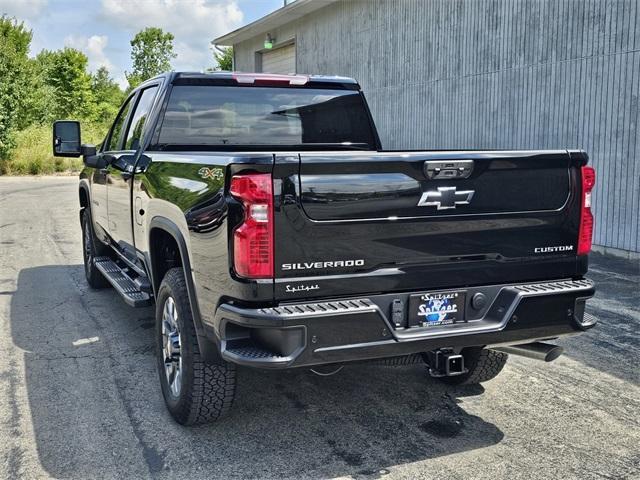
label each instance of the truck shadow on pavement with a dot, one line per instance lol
(97, 410)
(616, 338)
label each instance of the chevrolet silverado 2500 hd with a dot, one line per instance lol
(261, 216)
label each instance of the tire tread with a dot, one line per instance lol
(212, 386)
(95, 279)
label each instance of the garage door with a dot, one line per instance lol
(280, 60)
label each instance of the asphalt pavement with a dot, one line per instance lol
(80, 398)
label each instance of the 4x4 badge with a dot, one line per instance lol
(445, 198)
(213, 173)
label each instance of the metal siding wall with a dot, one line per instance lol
(280, 60)
(494, 74)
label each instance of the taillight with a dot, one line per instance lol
(253, 238)
(585, 236)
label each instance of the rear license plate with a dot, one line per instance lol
(434, 309)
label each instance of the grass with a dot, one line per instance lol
(33, 155)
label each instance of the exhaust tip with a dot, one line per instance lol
(536, 350)
(553, 353)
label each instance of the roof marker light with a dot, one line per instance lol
(268, 79)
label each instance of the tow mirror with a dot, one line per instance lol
(66, 138)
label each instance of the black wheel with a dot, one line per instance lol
(92, 248)
(483, 365)
(195, 392)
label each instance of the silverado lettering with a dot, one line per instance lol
(192, 203)
(321, 265)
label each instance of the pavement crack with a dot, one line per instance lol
(46, 358)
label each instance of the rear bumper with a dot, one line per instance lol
(359, 329)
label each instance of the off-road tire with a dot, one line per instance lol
(92, 247)
(207, 390)
(483, 365)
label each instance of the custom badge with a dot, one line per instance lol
(212, 173)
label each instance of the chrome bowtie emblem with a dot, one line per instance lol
(445, 198)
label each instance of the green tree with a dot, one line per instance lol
(151, 54)
(36, 91)
(38, 104)
(65, 73)
(224, 59)
(14, 46)
(107, 94)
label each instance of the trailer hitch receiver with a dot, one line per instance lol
(445, 363)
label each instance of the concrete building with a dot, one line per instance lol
(481, 74)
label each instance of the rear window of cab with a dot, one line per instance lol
(217, 116)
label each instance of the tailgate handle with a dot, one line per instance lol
(448, 170)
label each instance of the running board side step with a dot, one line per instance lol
(132, 292)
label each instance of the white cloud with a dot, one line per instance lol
(121, 80)
(93, 47)
(194, 23)
(22, 9)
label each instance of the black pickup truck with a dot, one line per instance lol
(262, 217)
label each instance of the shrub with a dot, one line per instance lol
(33, 152)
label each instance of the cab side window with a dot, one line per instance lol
(113, 142)
(140, 114)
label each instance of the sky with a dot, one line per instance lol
(102, 29)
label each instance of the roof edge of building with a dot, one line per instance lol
(275, 19)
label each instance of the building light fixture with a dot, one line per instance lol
(269, 41)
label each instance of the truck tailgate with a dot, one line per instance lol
(354, 223)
